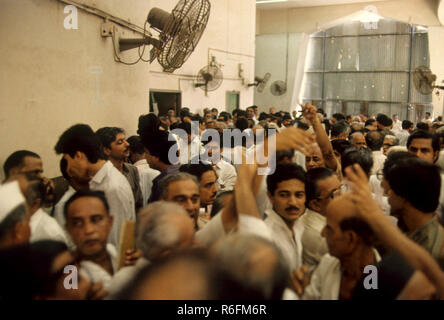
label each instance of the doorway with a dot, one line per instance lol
(161, 101)
(233, 98)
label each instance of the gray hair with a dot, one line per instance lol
(237, 252)
(180, 176)
(156, 229)
(18, 214)
(395, 139)
(353, 135)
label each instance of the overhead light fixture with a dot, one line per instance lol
(369, 17)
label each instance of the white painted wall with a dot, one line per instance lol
(53, 78)
(274, 24)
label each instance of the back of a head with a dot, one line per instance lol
(16, 160)
(12, 209)
(406, 124)
(197, 169)
(136, 145)
(340, 145)
(361, 156)
(159, 228)
(338, 116)
(80, 137)
(384, 120)
(284, 172)
(312, 177)
(255, 262)
(422, 126)
(340, 128)
(417, 181)
(422, 134)
(374, 140)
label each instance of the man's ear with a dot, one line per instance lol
(314, 204)
(107, 151)
(435, 156)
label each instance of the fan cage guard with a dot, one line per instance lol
(215, 83)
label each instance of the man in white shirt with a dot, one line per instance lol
(147, 174)
(322, 185)
(397, 124)
(349, 241)
(82, 150)
(374, 140)
(403, 135)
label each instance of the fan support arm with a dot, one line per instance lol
(128, 44)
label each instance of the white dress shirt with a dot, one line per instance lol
(326, 279)
(125, 275)
(403, 136)
(211, 232)
(147, 176)
(96, 273)
(45, 227)
(378, 161)
(226, 175)
(189, 151)
(119, 195)
(314, 246)
(59, 208)
(276, 230)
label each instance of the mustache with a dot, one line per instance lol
(290, 208)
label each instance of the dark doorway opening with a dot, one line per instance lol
(161, 101)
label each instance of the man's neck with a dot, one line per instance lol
(95, 167)
(117, 163)
(103, 259)
(414, 219)
(354, 264)
(162, 167)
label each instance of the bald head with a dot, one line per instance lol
(357, 139)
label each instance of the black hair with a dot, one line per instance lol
(184, 113)
(421, 134)
(136, 145)
(406, 124)
(107, 135)
(384, 120)
(64, 169)
(263, 116)
(369, 122)
(339, 127)
(218, 203)
(281, 155)
(80, 137)
(284, 172)
(16, 215)
(15, 160)
(361, 156)
(360, 227)
(241, 124)
(422, 126)
(393, 158)
(311, 180)
(84, 194)
(196, 170)
(338, 116)
(374, 140)
(340, 145)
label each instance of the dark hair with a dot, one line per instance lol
(184, 113)
(148, 122)
(241, 124)
(16, 215)
(80, 137)
(384, 120)
(302, 125)
(185, 126)
(281, 155)
(369, 122)
(107, 135)
(15, 160)
(263, 116)
(374, 140)
(422, 126)
(284, 172)
(84, 194)
(338, 116)
(241, 113)
(340, 145)
(136, 145)
(218, 203)
(361, 156)
(311, 182)
(406, 124)
(340, 127)
(360, 227)
(421, 134)
(196, 170)
(417, 181)
(394, 158)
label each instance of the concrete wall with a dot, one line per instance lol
(273, 25)
(53, 78)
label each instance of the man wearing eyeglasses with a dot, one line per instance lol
(322, 185)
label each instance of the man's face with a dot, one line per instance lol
(250, 112)
(32, 166)
(359, 141)
(272, 110)
(77, 167)
(171, 113)
(395, 118)
(423, 149)
(89, 224)
(208, 189)
(119, 148)
(329, 189)
(214, 152)
(186, 194)
(314, 159)
(286, 122)
(388, 143)
(289, 199)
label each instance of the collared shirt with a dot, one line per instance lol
(45, 227)
(226, 175)
(314, 245)
(403, 136)
(95, 273)
(155, 192)
(59, 208)
(119, 195)
(147, 175)
(325, 282)
(274, 229)
(132, 175)
(430, 236)
(189, 151)
(124, 276)
(378, 161)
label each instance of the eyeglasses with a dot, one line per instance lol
(335, 193)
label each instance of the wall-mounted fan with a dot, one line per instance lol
(179, 33)
(260, 83)
(209, 78)
(424, 80)
(278, 88)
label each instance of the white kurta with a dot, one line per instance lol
(313, 244)
(147, 176)
(378, 161)
(125, 275)
(59, 208)
(119, 195)
(226, 175)
(45, 227)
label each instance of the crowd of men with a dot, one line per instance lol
(351, 208)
